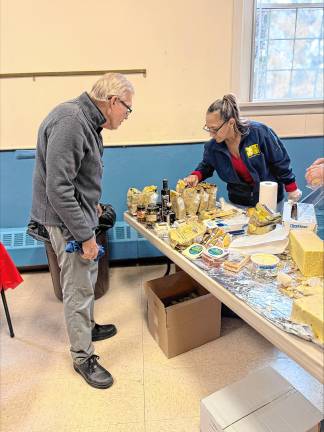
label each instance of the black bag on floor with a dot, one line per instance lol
(106, 221)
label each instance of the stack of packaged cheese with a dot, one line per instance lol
(145, 197)
(190, 201)
(262, 219)
(187, 233)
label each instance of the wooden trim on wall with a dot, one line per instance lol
(71, 73)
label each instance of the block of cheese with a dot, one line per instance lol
(306, 249)
(235, 261)
(310, 290)
(309, 310)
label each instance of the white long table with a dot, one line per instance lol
(307, 354)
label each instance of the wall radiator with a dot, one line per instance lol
(124, 243)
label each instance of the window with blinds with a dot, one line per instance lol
(287, 53)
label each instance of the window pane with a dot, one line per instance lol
(277, 85)
(303, 84)
(309, 23)
(262, 24)
(307, 54)
(319, 85)
(280, 54)
(260, 69)
(282, 24)
(288, 49)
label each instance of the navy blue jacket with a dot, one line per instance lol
(264, 156)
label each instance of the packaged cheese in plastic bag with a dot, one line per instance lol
(149, 195)
(178, 205)
(133, 196)
(212, 193)
(186, 234)
(181, 185)
(192, 200)
(204, 199)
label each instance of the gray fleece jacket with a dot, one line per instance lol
(68, 171)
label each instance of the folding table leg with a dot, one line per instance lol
(4, 301)
(168, 269)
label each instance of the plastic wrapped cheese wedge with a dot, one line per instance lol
(309, 310)
(235, 261)
(308, 290)
(186, 234)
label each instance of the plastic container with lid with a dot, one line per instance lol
(213, 256)
(194, 251)
(265, 264)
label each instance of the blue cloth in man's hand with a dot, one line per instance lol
(74, 246)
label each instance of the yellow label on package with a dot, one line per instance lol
(194, 251)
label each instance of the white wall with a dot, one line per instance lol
(185, 45)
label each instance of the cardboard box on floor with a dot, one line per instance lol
(261, 402)
(180, 327)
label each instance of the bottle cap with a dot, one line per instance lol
(165, 183)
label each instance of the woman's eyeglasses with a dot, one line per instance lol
(214, 130)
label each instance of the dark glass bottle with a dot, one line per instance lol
(165, 198)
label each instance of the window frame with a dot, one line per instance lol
(243, 45)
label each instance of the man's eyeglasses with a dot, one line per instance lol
(214, 130)
(129, 109)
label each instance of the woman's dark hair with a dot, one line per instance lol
(228, 108)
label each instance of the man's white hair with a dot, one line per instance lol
(111, 84)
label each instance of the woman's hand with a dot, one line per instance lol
(295, 195)
(191, 180)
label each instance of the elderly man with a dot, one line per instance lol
(66, 193)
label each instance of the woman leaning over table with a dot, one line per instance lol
(243, 153)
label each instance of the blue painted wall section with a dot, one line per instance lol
(134, 166)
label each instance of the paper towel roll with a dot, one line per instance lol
(268, 194)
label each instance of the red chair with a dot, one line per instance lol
(9, 278)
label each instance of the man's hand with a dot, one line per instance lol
(90, 249)
(191, 180)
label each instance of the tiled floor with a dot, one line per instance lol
(40, 392)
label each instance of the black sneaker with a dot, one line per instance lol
(95, 375)
(101, 332)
